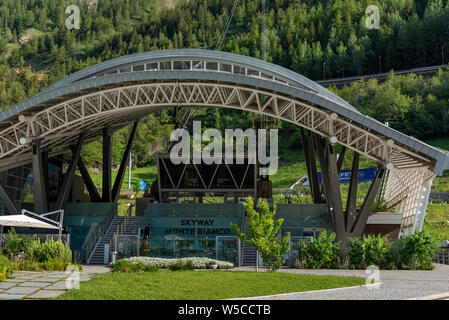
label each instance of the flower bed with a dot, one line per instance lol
(163, 263)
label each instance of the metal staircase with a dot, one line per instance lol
(249, 254)
(119, 225)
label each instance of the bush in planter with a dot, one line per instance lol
(321, 253)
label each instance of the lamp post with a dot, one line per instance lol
(442, 54)
(129, 171)
(380, 64)
(324, 70)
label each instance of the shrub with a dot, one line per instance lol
(27, 265)
(322, 253)
(123, 265)
(179, 265)
(120, 266)
(14, 244)
(51, 251)
(419, 250)
(370, 250)
(6, 268)
(263, 233)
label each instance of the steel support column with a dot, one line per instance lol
(312, 172)
(351, 204)
(107, 160)
(90, 186)
(340, 229)
(341, 158)
(326, 184)
(40, 193)
(9, 204)
(46, 176)
(362, 217)
(121, 172)
(67, 183)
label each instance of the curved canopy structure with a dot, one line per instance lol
(118, 92)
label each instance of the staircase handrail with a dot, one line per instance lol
(97, 233)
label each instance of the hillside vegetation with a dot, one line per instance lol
(37, 50)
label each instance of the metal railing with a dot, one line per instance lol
(293, 251)
(95, 235)
(442, 256)
(121, 228)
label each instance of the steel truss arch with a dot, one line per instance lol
(59, 124)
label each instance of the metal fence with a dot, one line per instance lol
(128, 246)
(42, 237)
(227, 248)
(443, 256)
(292, 254)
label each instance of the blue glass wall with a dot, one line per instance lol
(189, 230)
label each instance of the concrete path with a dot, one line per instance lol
(45, 284)
(395, 285)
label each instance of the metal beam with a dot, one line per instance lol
(340, 229)
(351, 204)
(40, 193)
(99, 107)
(341, 158)
(121, 172)
(326, 184)
(90, 186)
(64, 192)
(9, 204)
(46, 177)
(309, 154)
(362, 217)
(106, 174)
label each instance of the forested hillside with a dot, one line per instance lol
(317, 38)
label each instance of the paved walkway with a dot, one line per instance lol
(395, 285)
(42, 285)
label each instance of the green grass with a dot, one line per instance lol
(437, 220)
(196, 285)
(137, 174)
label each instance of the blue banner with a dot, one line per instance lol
(364, 175)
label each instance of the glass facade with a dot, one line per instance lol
(191, 230)
(16, 185)
(188, 236)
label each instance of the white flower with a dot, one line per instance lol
(198, 262)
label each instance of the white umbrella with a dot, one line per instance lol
(24, 221)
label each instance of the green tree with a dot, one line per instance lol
(263, 233)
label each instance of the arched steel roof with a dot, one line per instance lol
(206, 68)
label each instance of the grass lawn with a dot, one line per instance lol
(196, 285)
(437, 220)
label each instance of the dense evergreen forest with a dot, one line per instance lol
(317, 38)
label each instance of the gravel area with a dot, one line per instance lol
(395, 285)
